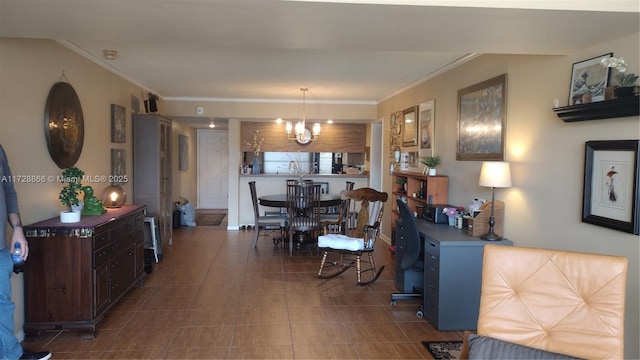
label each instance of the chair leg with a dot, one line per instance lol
(256, 233)
(290, 242)
(375, 274)
(324, 259)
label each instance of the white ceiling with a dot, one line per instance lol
(344, 51)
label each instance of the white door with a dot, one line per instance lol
(213, 169)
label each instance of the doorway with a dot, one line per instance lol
(213, 169)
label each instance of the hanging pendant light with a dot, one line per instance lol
(300, 133)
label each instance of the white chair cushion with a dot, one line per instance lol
(340, 242)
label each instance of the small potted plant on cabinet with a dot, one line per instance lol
(430, 163)
(402, 181)
(69, 194)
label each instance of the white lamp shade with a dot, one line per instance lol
(495, 174)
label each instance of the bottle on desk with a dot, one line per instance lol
(421, 194)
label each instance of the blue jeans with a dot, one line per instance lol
(9, 346)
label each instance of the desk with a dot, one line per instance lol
(452, 275)
(280, 200)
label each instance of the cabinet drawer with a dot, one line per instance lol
(123, 271)
(432, 249)
(101, 239)
(100, 257)
(124, 260)
(123, 228)
(125, 241)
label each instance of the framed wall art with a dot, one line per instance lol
(426, 114)
(183, 152)
(64, 125)
(611, 180)
(118, 124)
(413, 159)
(135, 104)
(410, 126)
(589, 78)
(118, 166)
(482, 119)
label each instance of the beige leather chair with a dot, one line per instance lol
(558, 301)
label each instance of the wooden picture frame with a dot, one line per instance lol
(413, 159)
(118, 166)
(426, 137)
(183, 152)
(589, 77)
(482, 113)
(611, 181)
(118, 124)
(410, 126)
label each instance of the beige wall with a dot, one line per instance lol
(543, 208)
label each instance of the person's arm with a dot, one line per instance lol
(18, 235)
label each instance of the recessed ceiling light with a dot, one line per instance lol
(110, 54)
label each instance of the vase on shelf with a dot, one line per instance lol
(624, 91)
(256, 165)
(452, 221)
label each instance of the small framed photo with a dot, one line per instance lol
(589, 79)
(611, 180)
(413, 159)
(427, 118)
(482, 113)
(410, 126)
(118, 124)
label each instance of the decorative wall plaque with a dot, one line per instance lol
(64, 125)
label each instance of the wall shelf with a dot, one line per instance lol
(621, 107)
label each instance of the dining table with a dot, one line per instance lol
(280, 200)
(327, 201)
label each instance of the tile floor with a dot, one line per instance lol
(212, 297)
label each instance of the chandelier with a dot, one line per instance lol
(300, 133)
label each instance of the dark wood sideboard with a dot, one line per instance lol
(76, 272)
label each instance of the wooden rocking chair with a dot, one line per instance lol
(350, 244)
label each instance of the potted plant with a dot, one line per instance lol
(430, 163)
(72, 176)
(402, 181)
(626, 81)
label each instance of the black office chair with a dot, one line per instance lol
(409, 259)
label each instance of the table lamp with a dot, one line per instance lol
(494, 174)
(113, 196)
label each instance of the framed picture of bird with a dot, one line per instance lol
(611, 181)
(589, 78)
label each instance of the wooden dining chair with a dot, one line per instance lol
(339, 218)
(348, 249)
(303, 213)
(264, 222)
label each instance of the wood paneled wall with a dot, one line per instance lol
(333, 138)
